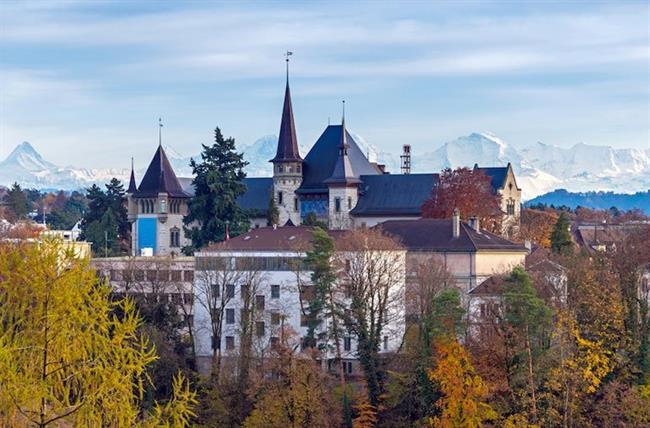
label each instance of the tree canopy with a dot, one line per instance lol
(218, 182)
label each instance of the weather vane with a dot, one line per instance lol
(160, 125)
(287, 55)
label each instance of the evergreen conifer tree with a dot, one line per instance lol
(17, 201)
(218, 182)
(561, 237)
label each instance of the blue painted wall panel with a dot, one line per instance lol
(147, 233)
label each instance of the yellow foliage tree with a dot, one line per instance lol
(463, 391)
(295, 396)
(66, 359)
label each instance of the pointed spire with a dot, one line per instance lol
(132, 186)
(342, 174)
(160, 178)
(287, 141)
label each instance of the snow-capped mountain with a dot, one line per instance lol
(27, 167)
(539, 168)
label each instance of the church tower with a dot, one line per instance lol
(343, 185)
(156, 209)
(287, 164)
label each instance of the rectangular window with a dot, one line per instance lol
(347, 367)
(216, 290)
(275, 318)
(295, 204)
(163, 275)
(230, 291)
(230, 316)
(152, 275)
(385, 343)
(349, 203)
(244, 291)
(337, 205)
(189, 275)
(280, 198)
(347, 343)
(303, 320)
(176, 275)
(188, 298)
(259, 328)
(230, 343)
(216, 342)
(275, 291)
(259, 303)
(274, 341)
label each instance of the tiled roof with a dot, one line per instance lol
(160, 178)
(321, 159)
(287, 140)
(288, 238)
(399, 194)
(430, 234)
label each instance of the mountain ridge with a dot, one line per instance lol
(539, 168)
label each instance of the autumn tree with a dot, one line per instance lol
(537, 226)
(463, 392)
(372, 279)
(65, 358)
(470, 191)
(296, 395)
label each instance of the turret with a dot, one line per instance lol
(287, 164)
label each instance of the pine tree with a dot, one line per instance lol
(17, 201)
(218, 182)
(529, 321)
(561, 237)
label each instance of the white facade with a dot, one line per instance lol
(284, 291)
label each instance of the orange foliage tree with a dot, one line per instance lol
(464, 392)
(536, 226)
(469, 191)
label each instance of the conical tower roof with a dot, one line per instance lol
(132, 186)
(287, 140)
(160, 178)
(343, 173)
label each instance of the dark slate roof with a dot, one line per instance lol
(186, 184)
(257, 195)
(497, 175)
(343, 172)
(399, 194)
(430, 234)
(132, 186)
(160, 178)
(321, 159)
(287, 140)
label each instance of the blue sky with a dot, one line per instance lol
(85, 81)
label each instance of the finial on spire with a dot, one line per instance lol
(131, 163)
(286, 56)
(160, 125)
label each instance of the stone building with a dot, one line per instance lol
(156, 209)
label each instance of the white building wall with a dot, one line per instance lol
(348, 196)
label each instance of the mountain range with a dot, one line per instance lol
(539, 168)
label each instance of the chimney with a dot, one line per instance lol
(406, 159)
(455, 223)
(474, 224)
